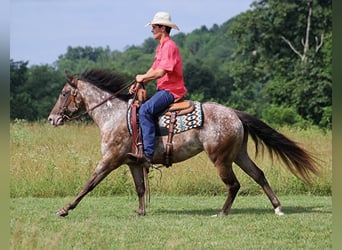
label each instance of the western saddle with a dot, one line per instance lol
(179, 107)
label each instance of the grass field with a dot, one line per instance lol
(172, 222)
(50, 162)
(49, 166)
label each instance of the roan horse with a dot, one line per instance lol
(223, 136)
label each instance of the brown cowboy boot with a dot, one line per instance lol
(141, 158)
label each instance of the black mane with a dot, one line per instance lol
(106, 80)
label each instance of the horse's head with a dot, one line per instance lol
(68, 103)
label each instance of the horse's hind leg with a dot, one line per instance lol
(250, 168)
(227, 175)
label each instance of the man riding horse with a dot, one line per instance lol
(223, 133)
(167, 68)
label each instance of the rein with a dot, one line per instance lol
(67, 102)
(102, 102)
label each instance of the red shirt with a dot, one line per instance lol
(168, 58)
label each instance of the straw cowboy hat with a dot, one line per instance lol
(163, 18)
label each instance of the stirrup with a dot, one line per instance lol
(138, 158)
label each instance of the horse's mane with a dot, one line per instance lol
(106, 80)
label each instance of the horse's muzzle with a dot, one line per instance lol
(55, 120)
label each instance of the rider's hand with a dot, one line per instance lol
(133, 88)
(140, 78)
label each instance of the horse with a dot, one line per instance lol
(223, 136)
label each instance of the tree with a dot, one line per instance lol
(33, 90)
(19, 100)
(272, 33)
(277, 56)
(44, 84)
(199, 80)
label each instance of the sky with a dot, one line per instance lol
(42, 30)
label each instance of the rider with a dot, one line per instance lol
(167, 68)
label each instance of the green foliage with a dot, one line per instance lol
(33, 90)
(286, 79)
(255, 59)
(280, 115)
(18, 98)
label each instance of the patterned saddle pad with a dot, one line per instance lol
(183, 122)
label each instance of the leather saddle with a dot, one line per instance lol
(179, 107)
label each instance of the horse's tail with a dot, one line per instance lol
(300, 162)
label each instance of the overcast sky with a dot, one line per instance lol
(41, 30)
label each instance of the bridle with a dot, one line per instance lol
(71, 95)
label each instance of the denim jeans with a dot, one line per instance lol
(148, 114)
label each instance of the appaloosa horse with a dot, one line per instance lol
(223, 137)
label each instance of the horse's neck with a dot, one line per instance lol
(110, 111)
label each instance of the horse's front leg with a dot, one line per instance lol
(138, 177)
(102, 170)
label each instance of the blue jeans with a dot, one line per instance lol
(148, 114)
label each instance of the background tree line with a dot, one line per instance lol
(273, 61)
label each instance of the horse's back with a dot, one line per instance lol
(222, 118)
(221, 133)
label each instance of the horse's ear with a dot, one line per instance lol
(70, 79)
(70, 82)
(68, 75)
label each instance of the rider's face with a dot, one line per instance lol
(157, 31)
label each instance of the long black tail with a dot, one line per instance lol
(300, 162)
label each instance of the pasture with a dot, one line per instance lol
(49, 162)
(48, 166)
(172, 222)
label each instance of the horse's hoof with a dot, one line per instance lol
(62, 212)
(138, 213)
(278, 211)
(219, 214)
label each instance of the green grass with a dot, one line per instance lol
(49, 163)
(172, 222)
(52, 162)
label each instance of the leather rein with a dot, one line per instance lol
(71, 97)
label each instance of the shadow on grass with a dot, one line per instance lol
(251, 211)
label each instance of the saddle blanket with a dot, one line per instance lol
(183, 122)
